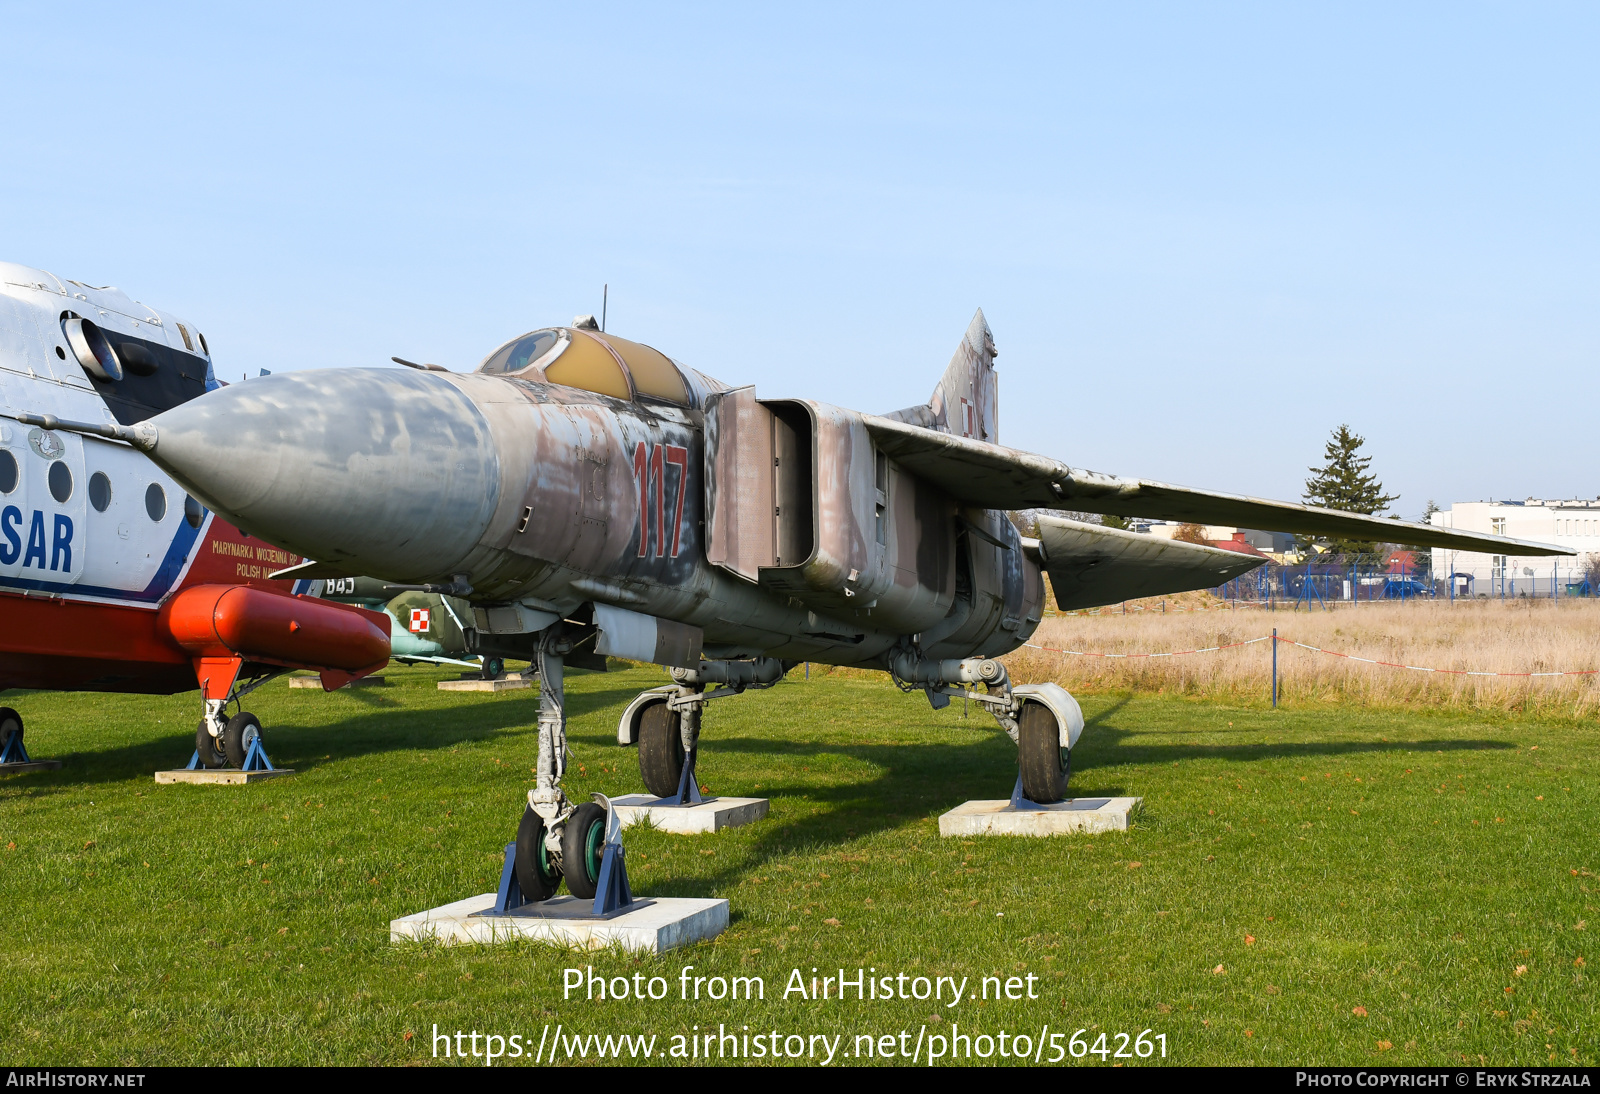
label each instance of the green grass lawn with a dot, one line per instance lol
(1301, 886)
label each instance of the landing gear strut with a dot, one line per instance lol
(665, 722)
(1043, 719)
(220, 741)
(558, 841)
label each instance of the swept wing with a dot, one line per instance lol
(993, 477)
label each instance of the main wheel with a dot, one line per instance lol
(210, 749)
(242, 731)
(660, 749)
(537, 876)
(493, 667)
(583, 845)
(10, 726)
(1045, 764)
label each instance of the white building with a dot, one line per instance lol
(1574, 524)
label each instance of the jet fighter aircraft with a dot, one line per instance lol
(586, 495)
(112, 578)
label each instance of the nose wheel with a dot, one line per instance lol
(538, 874)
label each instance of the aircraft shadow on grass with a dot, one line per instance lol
(923, 779)
(387, 726)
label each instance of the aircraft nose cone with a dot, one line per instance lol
(381, 471)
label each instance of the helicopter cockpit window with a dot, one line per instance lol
(519, 354)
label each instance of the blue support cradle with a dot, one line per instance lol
(14, 752)
(510, 895)
(612, 892)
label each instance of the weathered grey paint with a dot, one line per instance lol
(545, 498)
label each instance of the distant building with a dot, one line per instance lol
(1574, 524)
(1219, 535)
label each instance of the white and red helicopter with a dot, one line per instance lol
(112, 578)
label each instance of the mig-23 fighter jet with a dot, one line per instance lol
(588, 496)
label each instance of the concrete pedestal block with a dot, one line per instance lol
(316, 682)
(499, 683)
(31, 765)
(220, 776)
(649, 925)
(710, 816)
(997, 818)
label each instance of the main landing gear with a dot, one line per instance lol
(221, 741)
(665, 722)
(1043, 719)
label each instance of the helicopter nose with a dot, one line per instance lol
(379, 471)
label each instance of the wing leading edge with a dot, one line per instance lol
(992, 477)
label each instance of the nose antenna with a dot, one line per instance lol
(605, 297)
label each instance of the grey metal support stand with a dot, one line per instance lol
(688, 783)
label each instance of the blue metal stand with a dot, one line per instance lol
(254, 760)
(14, 752)
(688, 786)
(611, 889)
(510, 895)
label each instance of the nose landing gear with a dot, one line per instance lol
(556, 840)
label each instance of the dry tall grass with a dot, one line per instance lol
(1482, 636)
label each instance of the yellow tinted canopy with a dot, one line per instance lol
(590, 361)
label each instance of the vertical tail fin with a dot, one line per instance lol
(967, 400)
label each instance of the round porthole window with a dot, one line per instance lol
(8, 472)
(155, 502)
(60, 481)
(193, 511)
(100, 491)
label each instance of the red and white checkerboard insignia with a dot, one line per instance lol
(419, 620)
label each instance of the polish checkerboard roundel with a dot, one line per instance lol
(419, 620)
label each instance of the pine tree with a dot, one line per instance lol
(1343, 482)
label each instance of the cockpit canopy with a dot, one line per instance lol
(591, 361)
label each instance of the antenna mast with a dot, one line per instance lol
(605, 296)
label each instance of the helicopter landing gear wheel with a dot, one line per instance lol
(493, 667)
(210, 748)
(537, 876)
(1045, 765)
(242, 731)
(10, 727)
(660, 749)
(583, 844)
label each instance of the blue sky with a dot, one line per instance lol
(1204, 235)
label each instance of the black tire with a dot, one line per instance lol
(237, 736)
(660, 749)
(1045, 765)
(210, 749)
(536, 874)
(10, 726)
(583, 845)
(493, 667)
